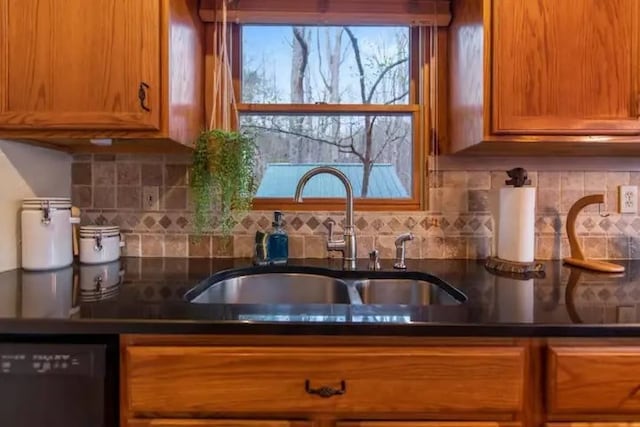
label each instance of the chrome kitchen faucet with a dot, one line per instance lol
(348, 243)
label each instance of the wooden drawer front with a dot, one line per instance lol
(592, 425)
(426, 424)
(377, 379)
(218, 423)
(594, 379)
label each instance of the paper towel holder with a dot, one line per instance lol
(577, 257)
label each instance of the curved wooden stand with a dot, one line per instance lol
(577, 257)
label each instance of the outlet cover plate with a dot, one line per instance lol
(628, 198)
(151, 198)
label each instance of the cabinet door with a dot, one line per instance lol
(609, 424)
(593, 380)
(427, 424)
(565, 67)
(217, 423)
(78, 64)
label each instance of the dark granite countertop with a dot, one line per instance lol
(150, 299)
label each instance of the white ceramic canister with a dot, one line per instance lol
(46, 233)
(99, 244)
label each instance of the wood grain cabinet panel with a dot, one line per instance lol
(593, 380)
(601, 424)
(74, 70)
(216, 423)
(212, 380)
(544, 77)
(73, 64)
(426, 424)
(565, 67)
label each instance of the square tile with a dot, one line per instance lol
(151, 174)
(104, 197)
(129, 197)
(175, 175)
(152, 245)
(104, 174)
(81, 174)
(176, 245)
(81, 196)
(199, 246)
(128, 174)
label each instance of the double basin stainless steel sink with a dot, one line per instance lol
(309, 285)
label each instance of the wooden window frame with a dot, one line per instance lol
(418, 108)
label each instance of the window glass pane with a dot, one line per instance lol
(316, 64)
(378, 163)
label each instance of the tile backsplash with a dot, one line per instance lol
(114, 189)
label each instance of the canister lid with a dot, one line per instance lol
(41, 202)
(95, 230)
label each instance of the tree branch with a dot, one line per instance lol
(320, 71)
(341, 147)
(397, 98)
(381, 76)
(356, 53)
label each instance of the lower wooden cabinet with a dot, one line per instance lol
(426, 424)
(218, 423)
(593, 380)
(280, 423)
(210, 381)
(594, 424)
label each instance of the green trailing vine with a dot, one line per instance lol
(222, 173)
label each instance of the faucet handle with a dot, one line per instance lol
(374, 260)
(330, 224)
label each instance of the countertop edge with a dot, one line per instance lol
(173, 327)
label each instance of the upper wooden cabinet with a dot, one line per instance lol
(532, 77)
(71, 70)
(565, 67)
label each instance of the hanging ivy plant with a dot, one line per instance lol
(222, 173)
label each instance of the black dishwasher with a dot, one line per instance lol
(54, 384)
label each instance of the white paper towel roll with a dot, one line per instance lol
(516, 224)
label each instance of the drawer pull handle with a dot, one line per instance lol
(325, 391)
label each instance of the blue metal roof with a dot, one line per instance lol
(280, 180)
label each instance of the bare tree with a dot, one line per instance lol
(381, 80)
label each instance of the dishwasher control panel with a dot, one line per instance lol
(44, 359)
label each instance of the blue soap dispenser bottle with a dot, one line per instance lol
(278, 241)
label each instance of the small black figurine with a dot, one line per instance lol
(518, 177)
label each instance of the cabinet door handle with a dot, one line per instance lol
(326, 391)
(142, 95)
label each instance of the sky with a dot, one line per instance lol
(271, 46)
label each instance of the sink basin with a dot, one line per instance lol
(402, 291)
(308, 285)
(276, 288)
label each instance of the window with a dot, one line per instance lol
(338, 95)
(332, 95)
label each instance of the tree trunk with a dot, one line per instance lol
(299, 61)
(367, 164)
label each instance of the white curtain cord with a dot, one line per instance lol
(223, 95)
(433, 71)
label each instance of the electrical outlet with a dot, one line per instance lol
(151, 198)
(628, 198)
